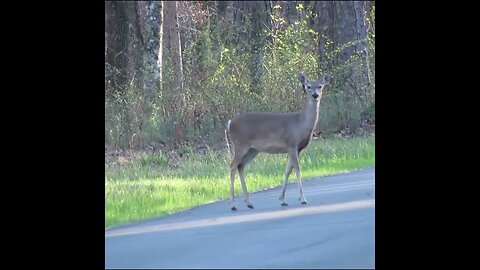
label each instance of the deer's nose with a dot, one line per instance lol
(315, 95)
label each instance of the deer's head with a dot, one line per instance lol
(314, 88)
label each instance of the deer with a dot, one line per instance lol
(252, 133)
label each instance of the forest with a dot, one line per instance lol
(176, 71)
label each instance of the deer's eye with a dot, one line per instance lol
(309, 87)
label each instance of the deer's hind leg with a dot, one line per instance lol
(238, 163)
(249, 156)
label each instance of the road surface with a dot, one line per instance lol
(336, 229)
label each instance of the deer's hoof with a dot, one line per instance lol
(250, 206)
(304, 202)
(233, 208)
(284, 204)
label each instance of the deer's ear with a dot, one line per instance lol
(303, 80)
(326, 79)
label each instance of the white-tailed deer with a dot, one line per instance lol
(274, 133)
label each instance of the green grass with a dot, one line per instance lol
(148, 188)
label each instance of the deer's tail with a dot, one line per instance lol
(227, 137)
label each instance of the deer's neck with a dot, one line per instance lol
(310, 115)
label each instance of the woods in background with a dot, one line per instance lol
(176, 71)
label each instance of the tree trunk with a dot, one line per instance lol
(344, 23)
(268, 6)
(173, 43)
(150, 17)
(222, 7)
(123, 55)
(257, 39)
(116, 34)
(132, 52)
(290, 8)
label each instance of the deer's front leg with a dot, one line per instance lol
(294, 157)
(288, 170)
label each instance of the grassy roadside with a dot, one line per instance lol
(149, 187)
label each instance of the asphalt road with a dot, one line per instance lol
(336, 229)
